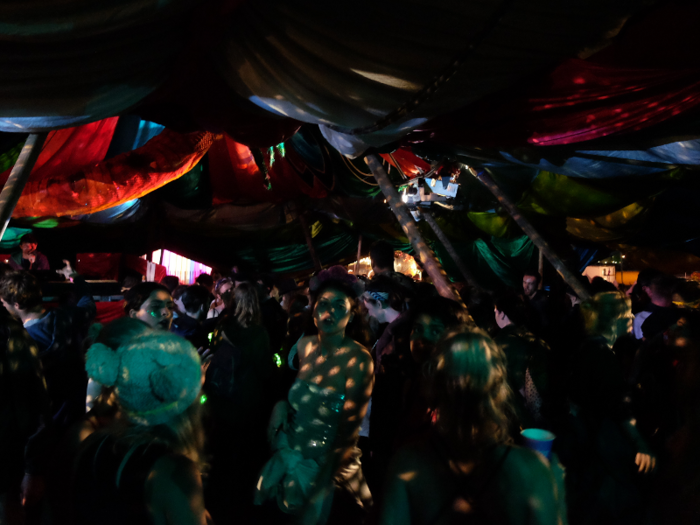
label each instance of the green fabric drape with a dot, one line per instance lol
(496, 263)
(11, 237)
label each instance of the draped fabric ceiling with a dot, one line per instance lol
(208, 127)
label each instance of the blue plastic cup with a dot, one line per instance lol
(539, 440)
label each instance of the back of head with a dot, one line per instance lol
(247, 303)
(21, 288)
(647, 275)
(514, 307)
(387, 291)
(139, 294)
(600, 285)
(204, 279)
(468, 384)
(450, 313)
(663, 286)
(5, 269)
(480, 305)
(382, 255)
(157, 375)
(178, 291)
(170, 282)
(195, 298)
(602, 313)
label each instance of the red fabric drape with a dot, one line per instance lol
(235, 177)
(103, 265)
(115, 181)
(70, 150)
(582, 101)
(649, 74)
(411, 165)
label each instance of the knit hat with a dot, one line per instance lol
(157, 375)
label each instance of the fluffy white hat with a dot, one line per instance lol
(157, 375)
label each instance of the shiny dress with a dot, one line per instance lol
(300, 447)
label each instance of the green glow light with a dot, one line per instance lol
(211, 334)
(278, 360)
(203, 399)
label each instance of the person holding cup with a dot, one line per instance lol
(466, 466)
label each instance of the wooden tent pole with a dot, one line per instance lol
(18, 178)
(423, 251)
(468, 276)
(531, 232)
(359, 254)
(309, 242)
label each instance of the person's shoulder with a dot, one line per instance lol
(358, 351)
(527, 467)
(305, 345)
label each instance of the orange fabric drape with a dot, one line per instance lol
(115, 181)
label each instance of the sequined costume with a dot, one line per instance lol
(300, 447)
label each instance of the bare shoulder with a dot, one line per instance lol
(359, 355)
(306, 345)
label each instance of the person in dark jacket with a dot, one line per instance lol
(28, 258)
(59, 334)
(24, 406)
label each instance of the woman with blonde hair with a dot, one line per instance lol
(465, 468)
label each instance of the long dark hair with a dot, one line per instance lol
(468, 384)
(247, 305)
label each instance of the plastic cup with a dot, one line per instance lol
(539, 440)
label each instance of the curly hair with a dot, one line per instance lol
(469, 389)
(357, 329)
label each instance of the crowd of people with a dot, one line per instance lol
(349, 400)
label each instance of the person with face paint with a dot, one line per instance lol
(151, 303)
(314, 433)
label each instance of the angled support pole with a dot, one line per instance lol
(423, 251)
(468, 276)
(531, 232)
(18, 178)
(359, 254)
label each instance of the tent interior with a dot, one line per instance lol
(221, 131)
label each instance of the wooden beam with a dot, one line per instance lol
(359, 254)
(18, 178)
(529, 230)
(468, 276)
(403, 214)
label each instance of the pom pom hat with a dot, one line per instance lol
(156, 375)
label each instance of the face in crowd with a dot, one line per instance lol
(28, 248)
(156, 311)
(332, 312)
(427, 331)
(529, 285)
